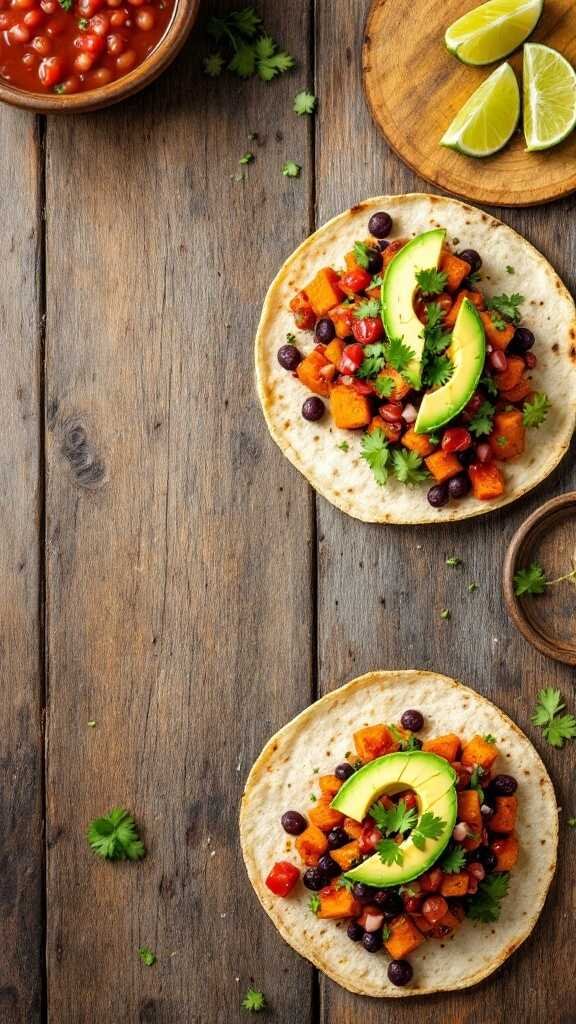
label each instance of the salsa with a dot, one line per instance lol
(65, 47)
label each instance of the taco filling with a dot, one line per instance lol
(411, 351)
(404, 841)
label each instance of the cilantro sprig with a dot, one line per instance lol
(253, 1001)
(485, 905)
(244, 47)
(361, 255)
(453, 861)
(395, 819)
(431, 282)
(370, 308)
(481, 422)
(429, 826)
(115, 836)
(536, 410)
(304, 103)
(408, 467)
(147, 956)
(533, 580)
(548, 715)
(507, 306)
(375, 450)
(398, 355)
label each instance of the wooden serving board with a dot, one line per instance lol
(415, 88)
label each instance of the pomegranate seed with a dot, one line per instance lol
(498, 361)
(434, 909)
(477, 871)
(412, 904)
(530, 360)
(392, 413)
(483, 452)
(472, 885)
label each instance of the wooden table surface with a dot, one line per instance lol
(167, 573)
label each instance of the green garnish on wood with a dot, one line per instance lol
(115, 836)
(557, 727)
(291, 169)
(147, 956)
(533, 580)
(305, 103)
(244, 47)
(253, 1001)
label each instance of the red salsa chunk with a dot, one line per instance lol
(67, 47)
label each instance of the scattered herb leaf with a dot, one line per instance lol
(507, 306)
(432, 281)
(557, 727)
(115, 836)
(305, 103)
(408, 467)
(291, 170)
(454, 861)
(253, 1001)
(485, 904)
(536, 410)
(376, 452)
(147, 956)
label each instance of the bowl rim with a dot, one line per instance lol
(518, 547)
(183, 18)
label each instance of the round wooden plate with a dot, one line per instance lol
(415, 88)
(549, 537)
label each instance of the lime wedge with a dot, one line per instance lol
(549, 97)
(488, 119)
(493, 30)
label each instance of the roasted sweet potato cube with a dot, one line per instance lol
(419, 443)
(347, 856)
(334, 350)
(342, 317)
(506, 851)
(309, 373)
(479, 751)
(523, 388)
(447, 746)
(324, 816)
(404, 938)
(350, 411)
(391, 250)
(498, 338)
(311, 845)
(329, 784)
(487, 481)
(337, 903)
(455, 885)
(455, 269)
(450, 920)
(401, 386)
(476, 298)
(352, 828)
(443, 465)
(512, 375)
(324, 292)
(469, 809)
(504, 818)
(373, 741)
(508, 434)
(390, 430)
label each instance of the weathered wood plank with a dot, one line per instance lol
(21, 746)
(179, 539)
(381, 588)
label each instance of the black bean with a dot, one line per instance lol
(399, 972)
(412, 720)
(467, 457)
(293, 823)
(337, 838)
(380, 224)
(361, 892)
(315, 879)
(487, 858)
(438, 495)
(289, 357)
(313, 409)
(344, 771)
(523, 340)
(330, 868)
(383, 244)
(503, 785)
(459, 486)
(372, 941)
(325, 330)
(355, 931)
(374, 261)
(472, 257)
(389, 902)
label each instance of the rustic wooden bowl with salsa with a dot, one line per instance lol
(78, 55)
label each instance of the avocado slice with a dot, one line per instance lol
(468, 352)
(433, 781)
(398, 290)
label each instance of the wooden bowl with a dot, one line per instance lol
(183, 18)
(548, 536)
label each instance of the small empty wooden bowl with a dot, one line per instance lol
(183, 18)
(548, 537)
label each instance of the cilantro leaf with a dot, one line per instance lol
(246, 159)
(432, 281)
(213, 65)
(115, 836)
(314, 902)
(344, 447)
(243, 62)
(376, 281)
(453, 861)
(246, 21)
(389, 852)
(437, 371)
(369, 308)
(393, 819)
(304, 103)
(374, 360)
(408, 467)
(507, 306)
(398, 355)
(291, 170)
(557, 727)
(549, 704)
(434, 316)
(485, 904)
(561, 728)
(428, 827)
(269, 61)
(361, 255)
(386, 933)
(531, 580)
(536, 410)
(489, 738)
(489, 385)
(481, 422)
(253, 1001)
(376, 452)
(384, 386)
(147, 956)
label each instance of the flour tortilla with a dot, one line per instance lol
(284, 776)
(343, 477)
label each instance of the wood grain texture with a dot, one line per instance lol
(410, 79)
(180, 561)
(21, 834)
(381, 589)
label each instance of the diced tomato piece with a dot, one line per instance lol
(355, 281)
(352, 358)
(282, 878)
(368, 330)
(304, 315)
(456, 439)
(363, 387)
